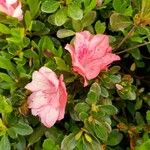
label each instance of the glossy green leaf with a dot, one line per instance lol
(100, 27)
(49, 144)
(114, 138)
(101, 131)
(50, 6)
(63, 33)
(82, 107)
(88, 19)
(60, 17)
(4, 143)
(23, 129)
(5, 105)
(4, 29)
(69, 142)
(75, 12)
(119, 22)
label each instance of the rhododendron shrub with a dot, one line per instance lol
(74, 74)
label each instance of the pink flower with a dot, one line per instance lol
(11, 8)
(49, 96)
(90, 54)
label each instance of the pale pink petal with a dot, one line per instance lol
(71, 50)
(92, 71)
(2, 1)
(38, 99)
(3, 9)
(50, 75)
(62, 99)
(81, 42)
(10, 2)
(39, 82)
(11, 8)
(86, 35)
(49, 116)
(97, 40)
(54, 99)
(18, 12)
(109, 58)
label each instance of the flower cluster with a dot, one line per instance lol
(90, 55)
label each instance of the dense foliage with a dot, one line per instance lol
(113, 111)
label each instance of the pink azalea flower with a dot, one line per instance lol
(49, 96)
(90, 54)
(11, 8)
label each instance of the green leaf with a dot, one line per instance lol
(36, 135)
(148, 115)
(49, 144)
(100, 27)
(83, 116)
(93, 94)
(114, 138)
(5, 106)
(75, 12)
(37, 26)
(119, 22)
(88, 19)
(11, 132)
(17, 36)
(50, 6)
(101, 131)
(63, 33)
(92, 97)
(4, 143)
(3, 128)
(34, 6)
(108, 109)
(4, 29)
(90, 6)
(139, 118)
(5, 77)
(77, 25)
(60, 17)
(104, 92)
(144, 146)
(23, 129)
(28, 20)
(115, 78)
(136, 54)
(61, 65)
(21, 145)
(120, 5)
(46, 43)
(69, 142)
(82, 107)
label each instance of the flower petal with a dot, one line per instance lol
(49, 116)
(62, 99)
(10, 2)
(18, 12)
(50, 75)
(38, 99)
(39, 82)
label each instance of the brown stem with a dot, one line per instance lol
(134, 47)
(126, 37)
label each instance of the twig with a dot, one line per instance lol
(134, 47)
(126, 37)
